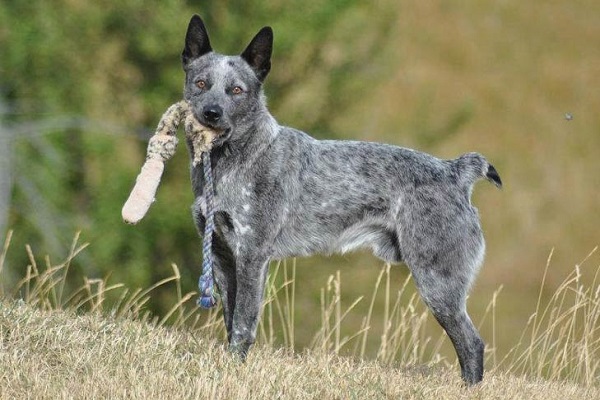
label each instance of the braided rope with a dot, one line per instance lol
(208, 296)
(201, 139)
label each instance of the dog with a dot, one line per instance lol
(281, 193)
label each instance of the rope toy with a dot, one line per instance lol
(161, 148)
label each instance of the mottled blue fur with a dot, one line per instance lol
(281, 193)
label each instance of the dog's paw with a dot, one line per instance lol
(239, 350)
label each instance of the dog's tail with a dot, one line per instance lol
(473, 166)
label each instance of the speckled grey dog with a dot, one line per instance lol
(281, 193)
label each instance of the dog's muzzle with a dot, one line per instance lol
(212, 114)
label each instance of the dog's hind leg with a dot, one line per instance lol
(467, 342)
(444, 290)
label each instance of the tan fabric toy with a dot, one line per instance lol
(161, 148)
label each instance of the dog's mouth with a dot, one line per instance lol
(222, 136)
(219, 127)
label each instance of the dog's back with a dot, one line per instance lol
(364, 194)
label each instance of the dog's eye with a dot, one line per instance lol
(237, 90)
(201, 84)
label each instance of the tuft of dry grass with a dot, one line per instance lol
(562, 338)
(57, 343)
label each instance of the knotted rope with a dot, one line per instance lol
(161, 148)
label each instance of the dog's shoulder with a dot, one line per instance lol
(293, 135)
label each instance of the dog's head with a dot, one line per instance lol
(225, 92)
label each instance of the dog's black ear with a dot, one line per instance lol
(196, 41)
(258, 52)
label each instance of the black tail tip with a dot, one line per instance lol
(493, 176)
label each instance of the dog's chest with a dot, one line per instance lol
(234, 199)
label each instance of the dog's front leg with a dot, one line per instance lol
(251, 275)
(225, 278)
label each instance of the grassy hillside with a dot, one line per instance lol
(58, 354)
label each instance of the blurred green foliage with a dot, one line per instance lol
(85, 82)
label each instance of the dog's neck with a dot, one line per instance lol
(248, 144)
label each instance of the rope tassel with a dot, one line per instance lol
(161, 148)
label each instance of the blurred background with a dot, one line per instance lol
(83, 84)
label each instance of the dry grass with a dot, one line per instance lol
(59, 354)
(56, 344)
(562, 338)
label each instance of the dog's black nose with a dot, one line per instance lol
(212, 113)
